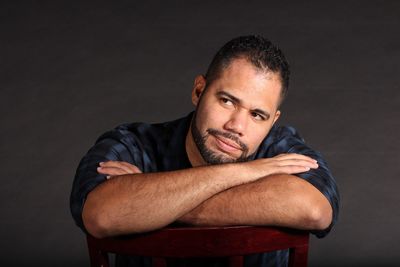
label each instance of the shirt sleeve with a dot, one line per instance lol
(287, 140)
(115, 145)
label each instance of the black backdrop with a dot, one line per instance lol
(69, 71)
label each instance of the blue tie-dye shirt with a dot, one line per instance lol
(161, 147)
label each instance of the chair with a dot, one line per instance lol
(186, 242)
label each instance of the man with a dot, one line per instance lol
(227, 163)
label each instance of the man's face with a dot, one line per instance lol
(235, 112)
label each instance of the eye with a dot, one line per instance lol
(257, 116)
(226, 101)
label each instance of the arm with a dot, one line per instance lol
(279, 200)
(147, 201)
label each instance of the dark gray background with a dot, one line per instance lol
(70, 71)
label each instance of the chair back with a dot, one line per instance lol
(194, 242)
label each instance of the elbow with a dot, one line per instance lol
(95, 223)
(100, 224)
(320, 216)
(95, 228)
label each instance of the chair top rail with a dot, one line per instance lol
(203, 241)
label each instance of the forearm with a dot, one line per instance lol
(279, 200)
(144, 202)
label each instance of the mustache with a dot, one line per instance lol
(230, 136)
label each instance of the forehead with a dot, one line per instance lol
(256, 88)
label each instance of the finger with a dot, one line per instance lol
(119, 164)
(298, 162)
(110, 163)
(112, 171)
(293, 169)
(131, 167)
(295, 156)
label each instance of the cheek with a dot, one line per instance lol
(256, 136)
(210, 116)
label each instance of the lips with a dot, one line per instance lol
(227, 145)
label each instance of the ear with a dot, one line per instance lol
(277, 115)
(198, 87)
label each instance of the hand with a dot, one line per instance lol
(114, 168)
(290, 163)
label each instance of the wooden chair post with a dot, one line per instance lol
(98, 257)
(298, 256)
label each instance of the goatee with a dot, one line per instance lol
(211, 157)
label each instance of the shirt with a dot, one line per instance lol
(161, 147)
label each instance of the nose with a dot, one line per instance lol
(237, 122)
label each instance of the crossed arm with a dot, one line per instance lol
(260, 192)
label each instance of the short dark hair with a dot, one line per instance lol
(257, 50)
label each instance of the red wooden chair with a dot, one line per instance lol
(187, 242)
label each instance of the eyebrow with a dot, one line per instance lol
(239, 102)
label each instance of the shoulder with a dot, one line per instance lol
(281, 139)
(127, 132)
(151, 140)
(138, 133)
(279, 132)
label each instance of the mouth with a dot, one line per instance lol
(227, 145)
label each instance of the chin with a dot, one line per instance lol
(219, 158)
